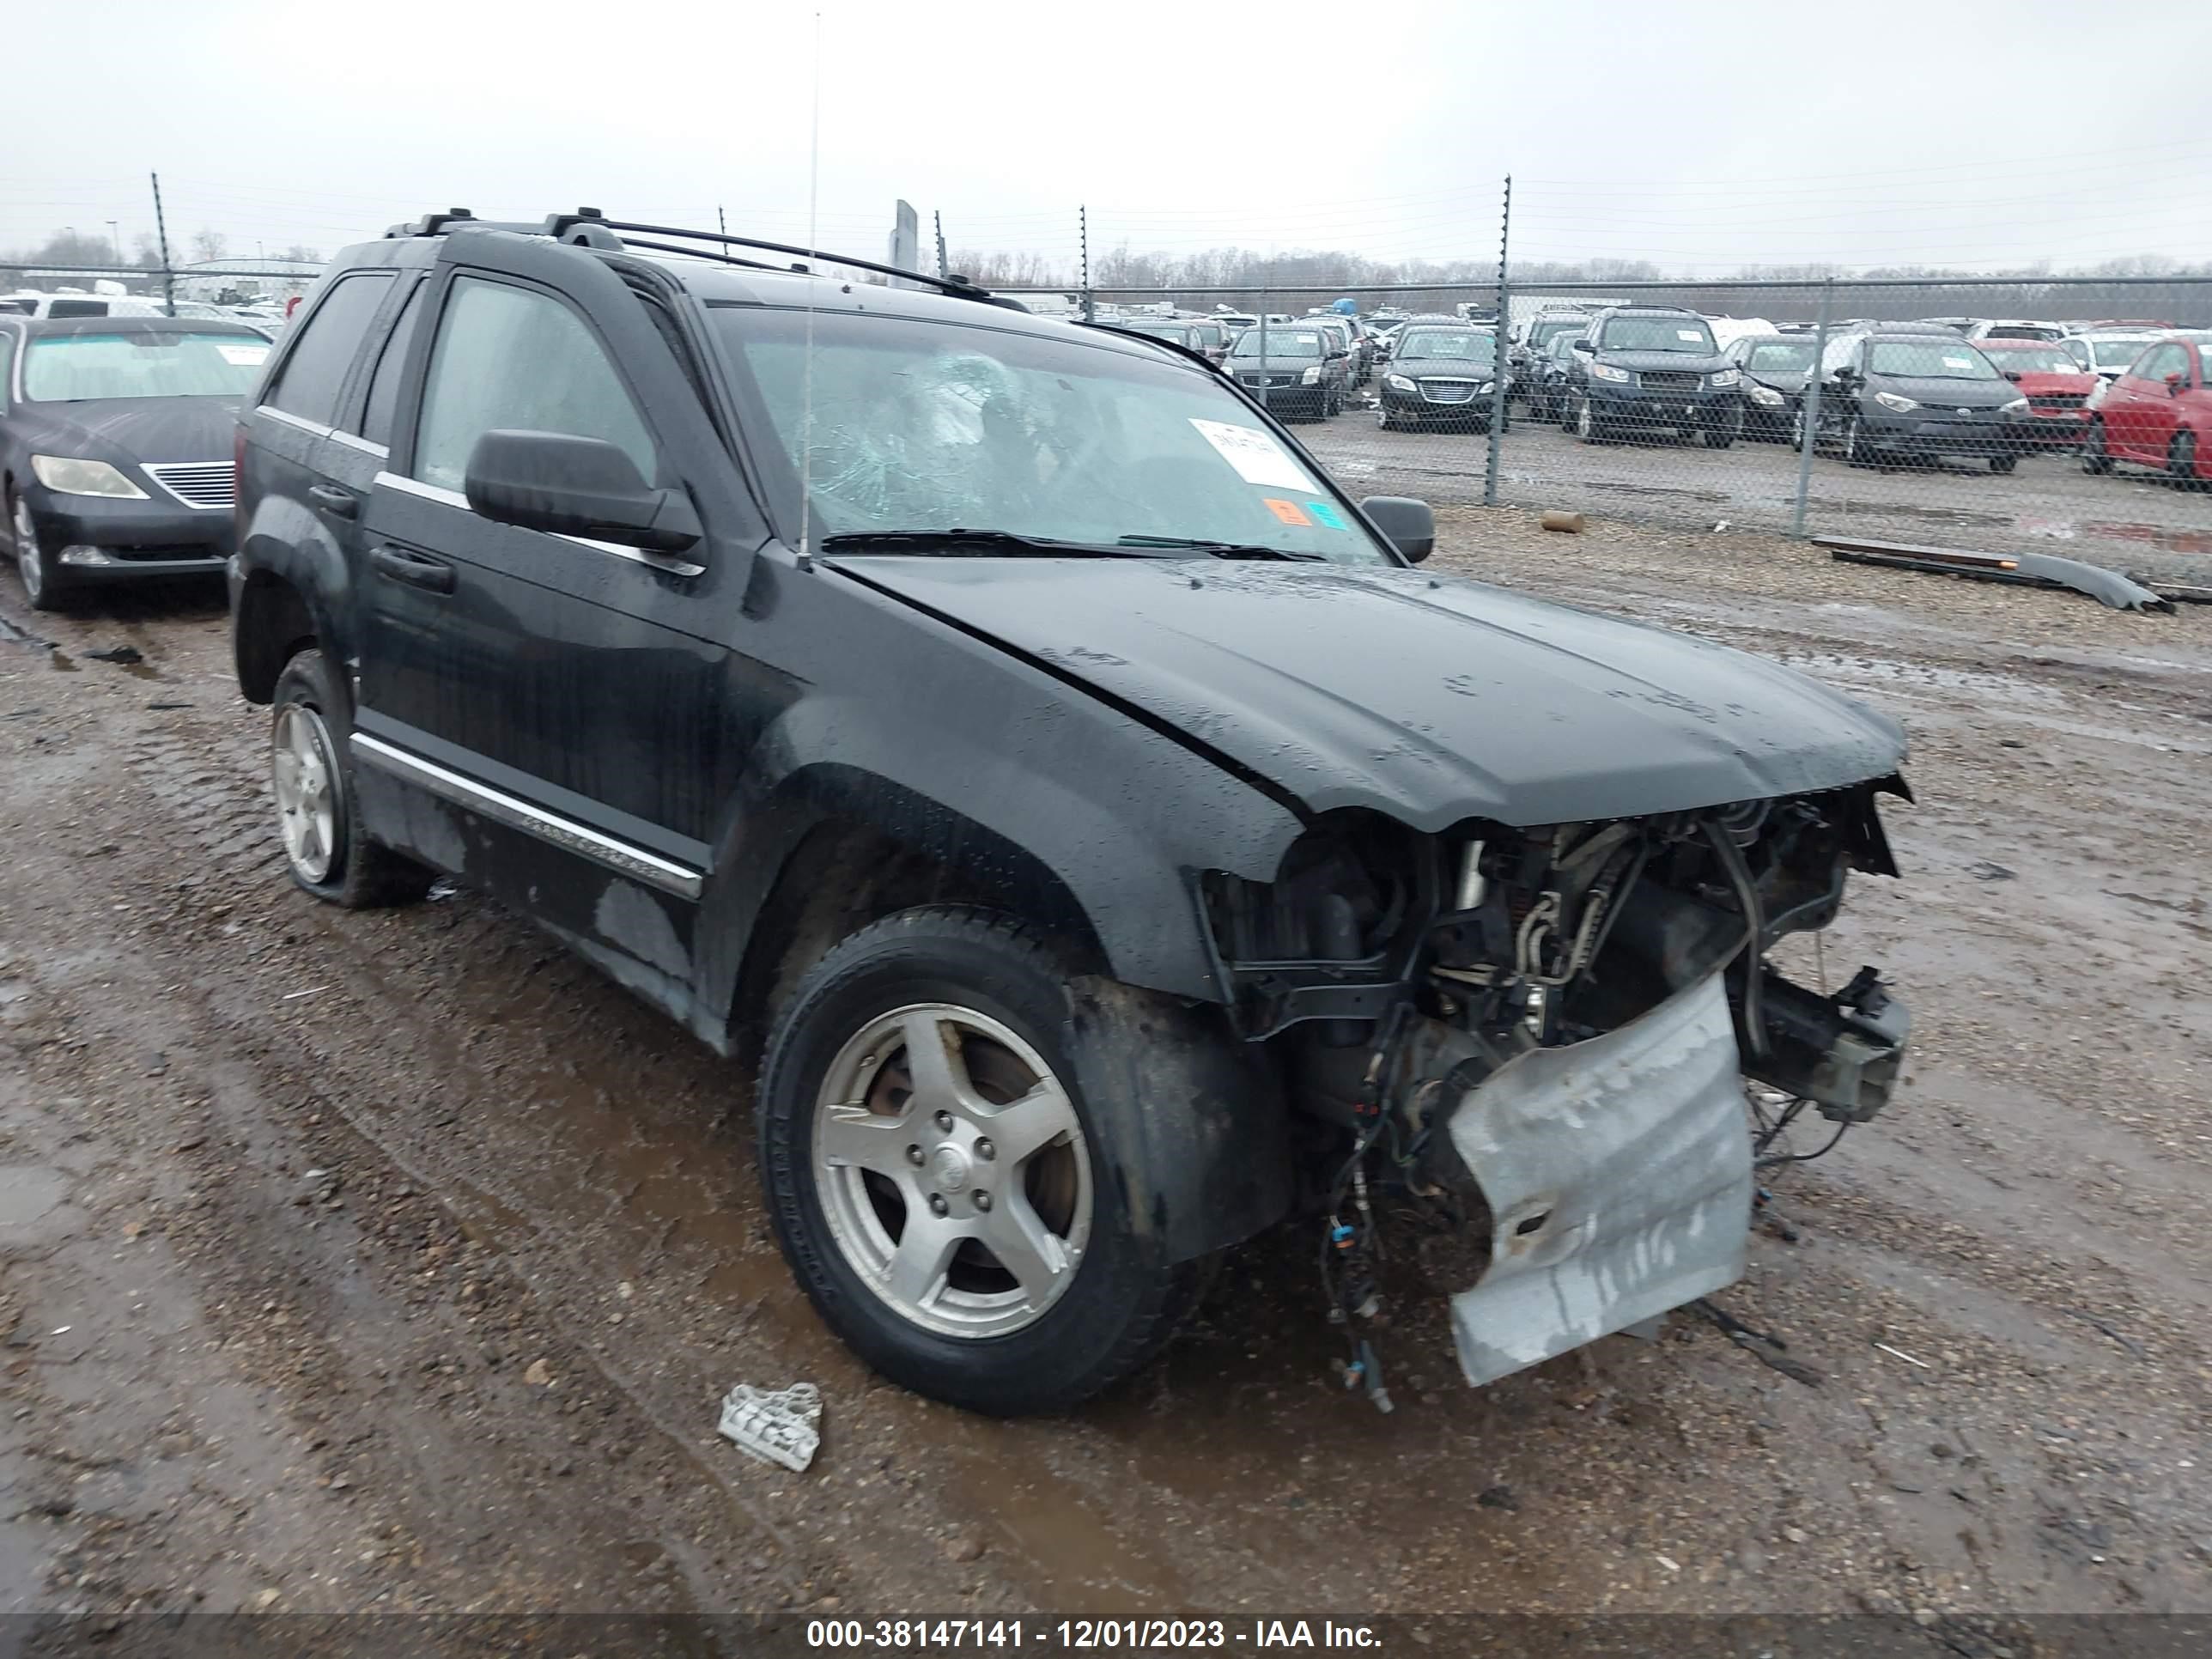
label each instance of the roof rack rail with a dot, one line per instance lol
(590, 228)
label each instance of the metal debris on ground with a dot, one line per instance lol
(2109, 587)
(121, 654)
(776, 1425)
(1769, 1351)
(1906, 1358)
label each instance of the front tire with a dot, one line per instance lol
(935, 1176)
(1724, 432)
(1586, 423)
(2004, 463)
(42, 589)
(2181, 462)
(2096, 460)
(311, 777)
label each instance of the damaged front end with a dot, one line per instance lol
(1541, 1035)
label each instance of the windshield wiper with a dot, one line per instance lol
(989, 544)
(1221, 550)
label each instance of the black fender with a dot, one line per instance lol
(285, 545)
(1195, 1122)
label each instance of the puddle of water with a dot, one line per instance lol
(2173, 541)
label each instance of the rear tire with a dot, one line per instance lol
(2096, 460)
(319, 821)
(2004, 463)
(1029, 1298)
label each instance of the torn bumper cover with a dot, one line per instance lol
(1618, 1172)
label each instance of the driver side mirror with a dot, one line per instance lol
(1406, 524)
(570, 486)
(2176, 384)
(1583, 346)
(2012, 375)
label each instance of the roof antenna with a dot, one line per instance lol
(806, 371)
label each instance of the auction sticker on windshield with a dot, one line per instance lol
(1687, 334)
(1257, 458)
(244, 356)
(1957, 362)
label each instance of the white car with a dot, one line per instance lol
(2105, 355)
(2015, 328)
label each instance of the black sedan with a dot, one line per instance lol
(115, 445)
(1439, 373)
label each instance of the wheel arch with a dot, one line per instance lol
(271, 622)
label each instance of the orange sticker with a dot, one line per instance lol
(1288, 512)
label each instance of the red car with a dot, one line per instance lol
(2158, 413)
(2057, 387)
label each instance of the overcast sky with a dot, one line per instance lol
(1700, 135)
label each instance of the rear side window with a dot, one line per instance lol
(6, 363)
(328, 338)
(509, 358)
(384, 389)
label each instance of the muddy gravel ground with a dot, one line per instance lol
(397, 1261)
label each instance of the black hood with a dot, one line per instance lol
(131, 429)
(1940, 394)
(1701, 363)
(1791, 380)
(1431, 699)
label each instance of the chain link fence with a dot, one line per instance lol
(1965, 431)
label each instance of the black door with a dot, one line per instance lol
(552, 715)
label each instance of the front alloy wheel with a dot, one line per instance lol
(39, 587)
(1586, 427)
(930, 1105)
(952, 1170)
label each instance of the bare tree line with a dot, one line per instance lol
(78, 247)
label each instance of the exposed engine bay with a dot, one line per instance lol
(1542, 1035)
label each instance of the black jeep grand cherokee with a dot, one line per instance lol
(1641, 370)
(1103, 840)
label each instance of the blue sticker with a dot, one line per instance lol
(1325, 514)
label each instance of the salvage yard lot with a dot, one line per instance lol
(2128, 520)
(398, 1260)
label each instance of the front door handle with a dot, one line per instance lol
(413, 568)
(338, 502)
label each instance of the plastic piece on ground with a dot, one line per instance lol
(776, 1425)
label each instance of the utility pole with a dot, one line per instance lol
(721, 219)
(1499, 365)
(1809, 409)
(1082, 239)
(937, 217)
(161, 234)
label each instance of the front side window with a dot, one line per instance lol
(1931, 360)
(510, 359)
(313, 373)
(2168, 359)
(2116, 353)
(67, 367)
(1689, 335)
(928, 427)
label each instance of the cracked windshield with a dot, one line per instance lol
(926, 427)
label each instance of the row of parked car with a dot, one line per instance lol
(1940, 387)
(265, 317)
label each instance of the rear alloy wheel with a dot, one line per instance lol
(935, 1174)
(1385, 421)
(311, 778)
(39, 588)
(2096, 460)
(2181, 462)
